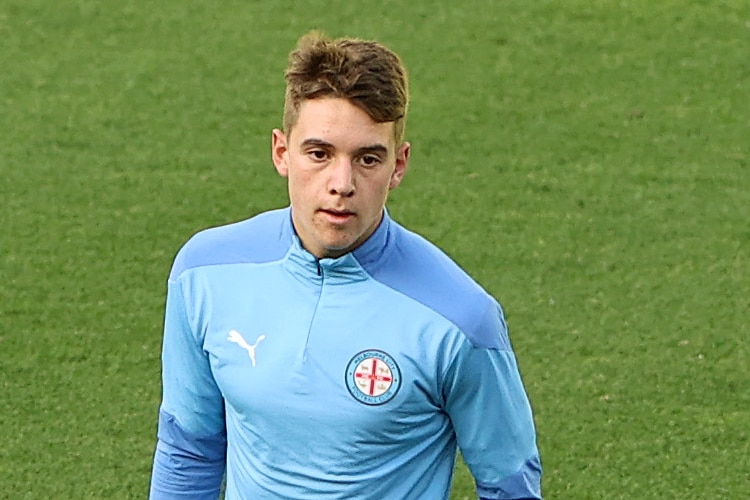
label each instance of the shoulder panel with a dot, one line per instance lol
(263, 238)
(417, 268)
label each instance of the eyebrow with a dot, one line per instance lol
(316, 142)
(373, 148)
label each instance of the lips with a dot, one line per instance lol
(335, 215)
(338, 212)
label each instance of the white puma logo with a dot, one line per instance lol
(234, 336)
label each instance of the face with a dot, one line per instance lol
(340, 166)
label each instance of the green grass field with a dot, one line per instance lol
(587, 161)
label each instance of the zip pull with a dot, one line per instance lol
(320, 271)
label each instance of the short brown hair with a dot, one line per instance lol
(366, 73)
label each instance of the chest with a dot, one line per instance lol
(340, 357)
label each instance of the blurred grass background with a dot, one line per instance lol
(587, 161)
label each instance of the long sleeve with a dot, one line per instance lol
(491, 414)
(190, 454)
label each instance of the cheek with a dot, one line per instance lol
(379, 198)
(293, 187)
(300, 187)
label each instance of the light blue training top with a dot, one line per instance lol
(291, 377)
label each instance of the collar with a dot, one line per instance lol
(349, 266)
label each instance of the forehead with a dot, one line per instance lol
(341, 123)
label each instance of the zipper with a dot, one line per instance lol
(319, 269)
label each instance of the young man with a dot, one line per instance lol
(324, 351)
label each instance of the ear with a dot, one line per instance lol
(402, 162)
(280, 152)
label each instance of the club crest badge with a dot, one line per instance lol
(373, 377)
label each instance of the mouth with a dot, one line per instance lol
(337, 216)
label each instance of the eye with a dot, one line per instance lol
(370, 161)
(317, 154)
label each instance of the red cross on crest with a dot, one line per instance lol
(373, 377)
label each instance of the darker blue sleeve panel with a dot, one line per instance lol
(186, 466)
(418, 269)
(524, 484)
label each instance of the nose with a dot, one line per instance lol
(341, 180)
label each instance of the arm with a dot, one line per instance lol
(487, 403)
(190, 453)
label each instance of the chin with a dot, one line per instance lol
(338, 248)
